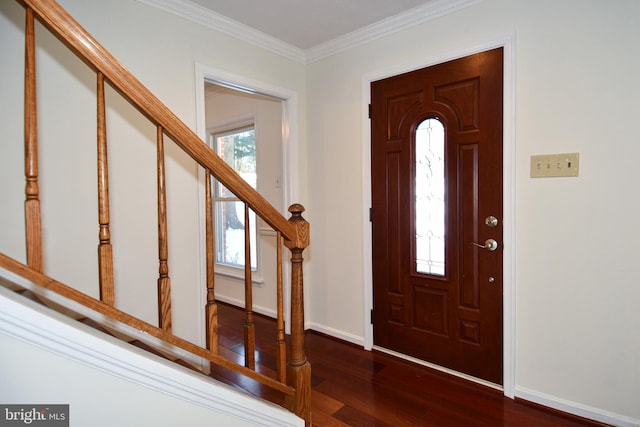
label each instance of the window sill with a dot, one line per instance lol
(233, 273)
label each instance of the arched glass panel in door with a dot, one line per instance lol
(430, 198)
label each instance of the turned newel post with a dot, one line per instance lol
(298, 368)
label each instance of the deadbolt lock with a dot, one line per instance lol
(491, 221)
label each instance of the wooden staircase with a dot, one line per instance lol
(229, 348)
(290, 376)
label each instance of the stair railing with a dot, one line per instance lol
(293, 374)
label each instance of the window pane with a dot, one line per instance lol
(230, 234)
(429, 198)
(238, 149)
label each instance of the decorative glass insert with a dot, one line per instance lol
(238, 149)
(429, 198)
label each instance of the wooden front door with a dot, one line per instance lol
(436, 162)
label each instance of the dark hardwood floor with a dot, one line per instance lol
(353, 387)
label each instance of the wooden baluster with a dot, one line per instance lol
(105, 251)
(212, 307)
(281, 346)
(249, 327)
(164, 282)
(298, 368)
(33, 218)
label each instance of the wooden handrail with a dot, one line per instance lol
(97, 57)
(293, 376)
(46, 282)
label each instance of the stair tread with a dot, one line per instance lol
(29, 294)
(222, 375)
(93, 324)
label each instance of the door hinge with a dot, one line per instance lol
(370, 214)
(369, 110)
(372, 316)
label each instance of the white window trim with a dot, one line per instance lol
(232, 272)
(238, 274)
(237, 123)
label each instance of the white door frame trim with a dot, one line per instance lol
(507, 41)
(290, 170)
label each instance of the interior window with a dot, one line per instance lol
(238, 148)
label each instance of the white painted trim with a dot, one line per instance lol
(509, 217)
(336, 333)
(410, 18)
(206, 17)
(576, 408)
(241, 121)
(415, 16)
(508, 42)
(240, 303)
(39, 326)
(238, 274)
(290, 144)
(273, 315)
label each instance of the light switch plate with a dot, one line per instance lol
(553, 165)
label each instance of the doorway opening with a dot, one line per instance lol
(272, 114)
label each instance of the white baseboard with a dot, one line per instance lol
(239, 303)
(344, 336)
(576, 408)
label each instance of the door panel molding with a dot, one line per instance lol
(506, 41)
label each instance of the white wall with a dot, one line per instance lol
(575, 280)
(161, 50)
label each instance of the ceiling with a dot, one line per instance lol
(308, 30)
(308, 23)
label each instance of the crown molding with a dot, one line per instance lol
(203, 16)
(410, 18)
(418, 15)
